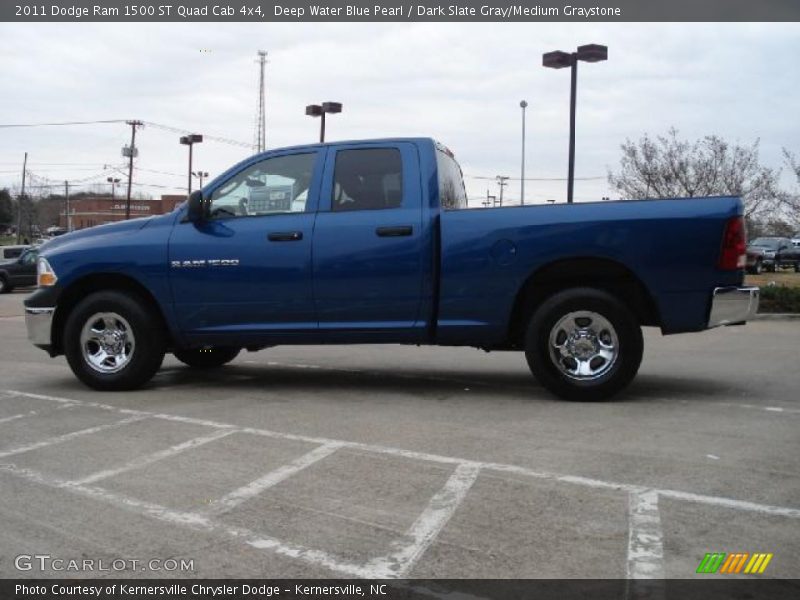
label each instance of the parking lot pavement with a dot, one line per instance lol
(395, 461)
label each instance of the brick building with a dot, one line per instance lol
(88, 211)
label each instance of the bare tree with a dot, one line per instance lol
(670, 167)
(791, 199)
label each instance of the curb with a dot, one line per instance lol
(776, 317)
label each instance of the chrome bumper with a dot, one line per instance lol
(39, 322)
(732, 305)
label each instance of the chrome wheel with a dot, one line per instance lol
(583, 345)
(107, 342)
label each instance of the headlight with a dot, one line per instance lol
(45, 275)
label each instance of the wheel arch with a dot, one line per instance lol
(97, 282)
(602, 273)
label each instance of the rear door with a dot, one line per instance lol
(369, 243)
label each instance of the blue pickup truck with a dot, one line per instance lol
(372, 242)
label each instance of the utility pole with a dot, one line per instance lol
(21, 198)
(261, 120)
(523, 105)
(502, 181)
(66, 207)
(131, 152)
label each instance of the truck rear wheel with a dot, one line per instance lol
(584, 344)
(4, 286)
(112, 341)
(209, 357)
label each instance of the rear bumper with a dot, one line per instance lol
(732, 305)
(39, 322)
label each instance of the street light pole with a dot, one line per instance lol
(558, 60)
(320, 110)
(573, 93)
(190, 140)
(200, 175)
(191, 147)
(523, 105)
(113, 181)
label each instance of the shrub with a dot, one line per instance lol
(779, 299)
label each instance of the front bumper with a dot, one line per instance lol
(732, 305)
(39, 322)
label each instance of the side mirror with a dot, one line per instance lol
(196, 209)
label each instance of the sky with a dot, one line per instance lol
(459, 83)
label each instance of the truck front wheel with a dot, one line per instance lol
(584, 344)
(112, 341)
(209, 357)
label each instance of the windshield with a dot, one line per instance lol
(770, 243)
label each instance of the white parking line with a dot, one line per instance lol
(252, 489)
(645, 540)
(428, 525)
(15, 417)
(144, 461)
(69, 436)
(194, 521)
(782, 511)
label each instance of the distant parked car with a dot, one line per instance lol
(9, 252)
(771, 253)
(19, 272)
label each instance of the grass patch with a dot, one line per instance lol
(779, 299)
(785, 278)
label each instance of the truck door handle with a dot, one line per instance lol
(395, 231)
(285, 236)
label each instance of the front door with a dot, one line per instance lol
(247, 268)
(368, 241)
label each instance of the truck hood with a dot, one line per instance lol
(109, 229)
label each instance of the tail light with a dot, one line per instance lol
(734, 245)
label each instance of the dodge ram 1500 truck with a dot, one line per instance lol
(371, 242)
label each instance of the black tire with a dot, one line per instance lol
(797, 267)
(145, 356)
(757, 268)
(210, 357)
(551, 373)
(4, 286)
(771, 268)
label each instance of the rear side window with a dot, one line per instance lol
(12, 252)
(451, 183)
(367, 179)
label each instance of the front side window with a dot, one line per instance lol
(271, 186)
(367, 179)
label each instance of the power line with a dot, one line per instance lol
(214, 138)
(8, 125)
(220, 139)
(534, 178)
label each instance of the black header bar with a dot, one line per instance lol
(264, 11)
(421, 589)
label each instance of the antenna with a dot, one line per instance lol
(259, 142)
